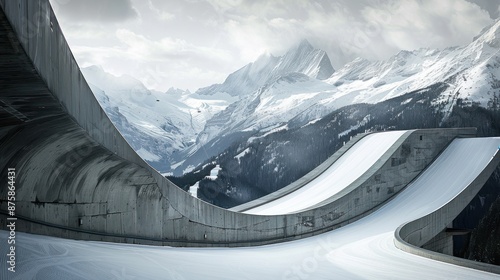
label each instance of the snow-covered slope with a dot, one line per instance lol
(472, 73)
(269, 106)
(156, 124)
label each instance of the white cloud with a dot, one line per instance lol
(96, 10)
(160, 64)
(166, 49)
(491, 6)
(413, 24)
(193, 43)
(163, 15)
(370, 29)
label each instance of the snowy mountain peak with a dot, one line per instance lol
(490, 35)
(302, 58)
(177, 91)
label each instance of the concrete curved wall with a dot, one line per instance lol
(411, 236)
(409, 156)
(77, 177)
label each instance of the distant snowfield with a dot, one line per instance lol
(361, 250)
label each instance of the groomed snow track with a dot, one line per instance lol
(76, 177)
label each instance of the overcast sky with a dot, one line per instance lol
(190, 44)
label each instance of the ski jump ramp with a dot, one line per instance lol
(342, 173)
(365, 249)
(77, 178)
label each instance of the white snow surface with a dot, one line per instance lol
(193, 190)
(214, 173)
(349, 167)
(361, 250)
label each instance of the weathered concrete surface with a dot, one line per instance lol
(77, 177)
(430, 231)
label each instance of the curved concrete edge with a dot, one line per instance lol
(399, 165)
(156, 208)
(409, 248)
(313, 174)
(43, 41)
(40, 37)
(414, 152)
(77, 233)
(410, 236)
(376, 168)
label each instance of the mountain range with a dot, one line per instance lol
(156, 124)
(176, 131)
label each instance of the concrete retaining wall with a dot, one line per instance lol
(411, 236)
(77, 177)
(409, 156)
